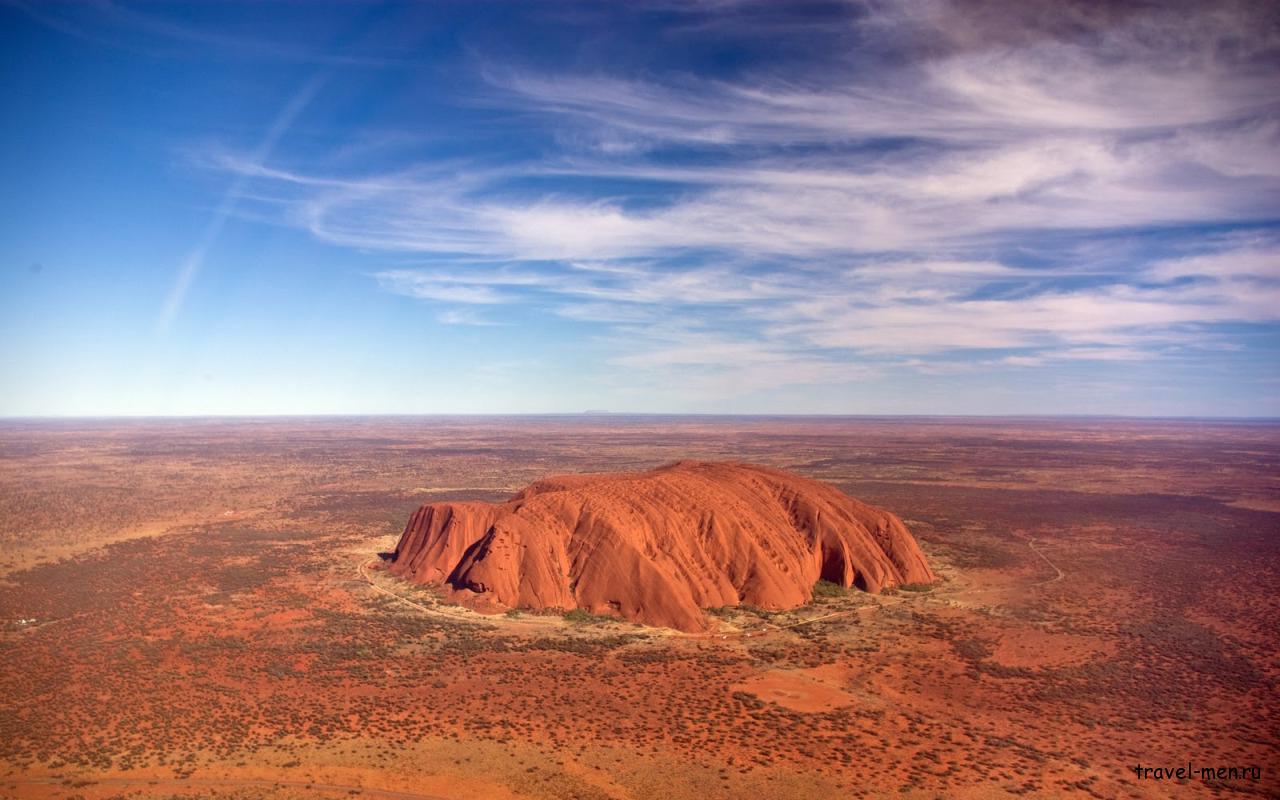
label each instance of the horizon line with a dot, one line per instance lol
(617, 414)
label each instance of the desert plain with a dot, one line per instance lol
(202, 608)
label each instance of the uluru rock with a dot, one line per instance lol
(658, 547)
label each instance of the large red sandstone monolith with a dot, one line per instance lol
(658, 547)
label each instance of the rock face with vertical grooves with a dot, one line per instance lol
(658, 547)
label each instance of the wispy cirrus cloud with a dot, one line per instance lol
(870, 208)
(886, 308)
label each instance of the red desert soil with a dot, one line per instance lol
(658, 547)
(1033, 649)
(813, 690)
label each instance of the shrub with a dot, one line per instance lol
(916, 587)
(972, 649)
(825, 588)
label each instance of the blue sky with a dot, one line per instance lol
(714, 207)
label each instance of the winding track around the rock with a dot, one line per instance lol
(1032, 544)
(369, 580)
